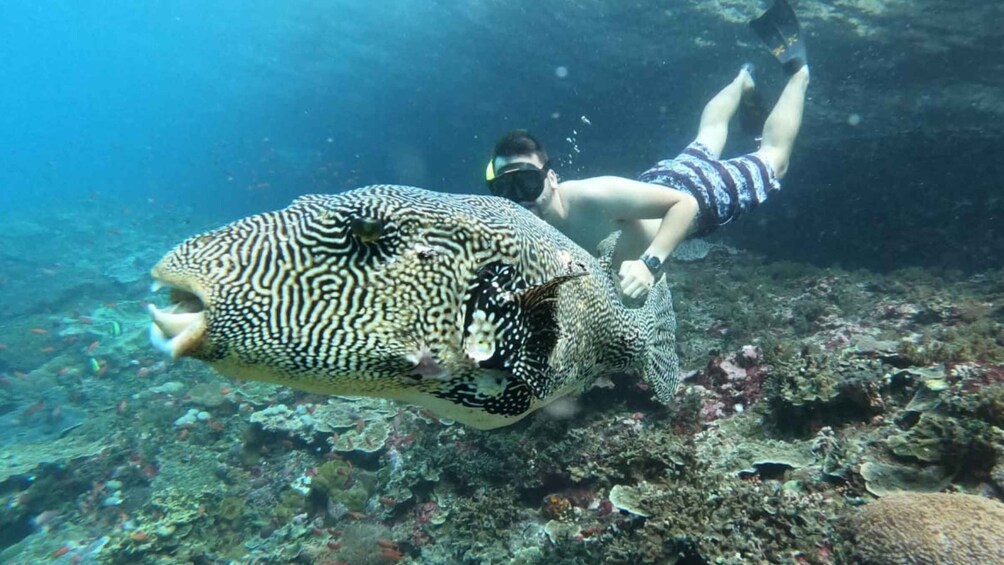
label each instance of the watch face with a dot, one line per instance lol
(653, 263)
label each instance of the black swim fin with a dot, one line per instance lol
(778, 29)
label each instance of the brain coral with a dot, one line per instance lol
(930, 529)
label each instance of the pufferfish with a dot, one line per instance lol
(467, 305)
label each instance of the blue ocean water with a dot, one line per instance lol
(235, 108)
(126, 127)
(239, 107)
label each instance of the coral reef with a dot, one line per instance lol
(809, 393)
(911, 528)
(695, 249)
(810, 390)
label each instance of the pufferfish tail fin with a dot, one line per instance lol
(661, 368)
(660, 365)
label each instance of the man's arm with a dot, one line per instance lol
(622, 199)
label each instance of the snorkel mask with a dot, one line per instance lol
(520, 182)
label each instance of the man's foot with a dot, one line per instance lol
(802, 72)
(747, 74)
(753, 108)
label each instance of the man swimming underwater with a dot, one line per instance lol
(691, 194)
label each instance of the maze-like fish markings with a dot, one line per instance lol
(468, 305)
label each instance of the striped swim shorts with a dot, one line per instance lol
(724, 190)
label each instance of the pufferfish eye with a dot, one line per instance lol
(367, 230)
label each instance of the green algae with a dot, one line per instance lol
(333, 476)
(337, 482)
(290, 504)
(231, 508)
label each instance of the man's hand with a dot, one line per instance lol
(636, 279)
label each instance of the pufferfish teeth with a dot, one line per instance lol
(176, 334)
(171, 323)
(159, 340)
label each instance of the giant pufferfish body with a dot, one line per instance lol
(467, 305)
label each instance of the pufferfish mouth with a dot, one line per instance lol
(179, 328)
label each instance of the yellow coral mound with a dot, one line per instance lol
(930, 529)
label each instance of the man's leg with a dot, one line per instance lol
(782, 124)
(714, 129)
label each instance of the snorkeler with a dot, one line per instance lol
(691, 194)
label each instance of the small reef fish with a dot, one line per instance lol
(45, 518)
(470, 306)
(33, 409)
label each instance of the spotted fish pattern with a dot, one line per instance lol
(467, 305)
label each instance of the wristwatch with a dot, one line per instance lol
(652, 262)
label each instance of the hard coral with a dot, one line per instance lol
(807, 391)
(556, 507)
(915, 528)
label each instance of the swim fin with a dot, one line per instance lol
(778, 29)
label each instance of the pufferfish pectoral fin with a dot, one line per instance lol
(537, 304)
(512, 326)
